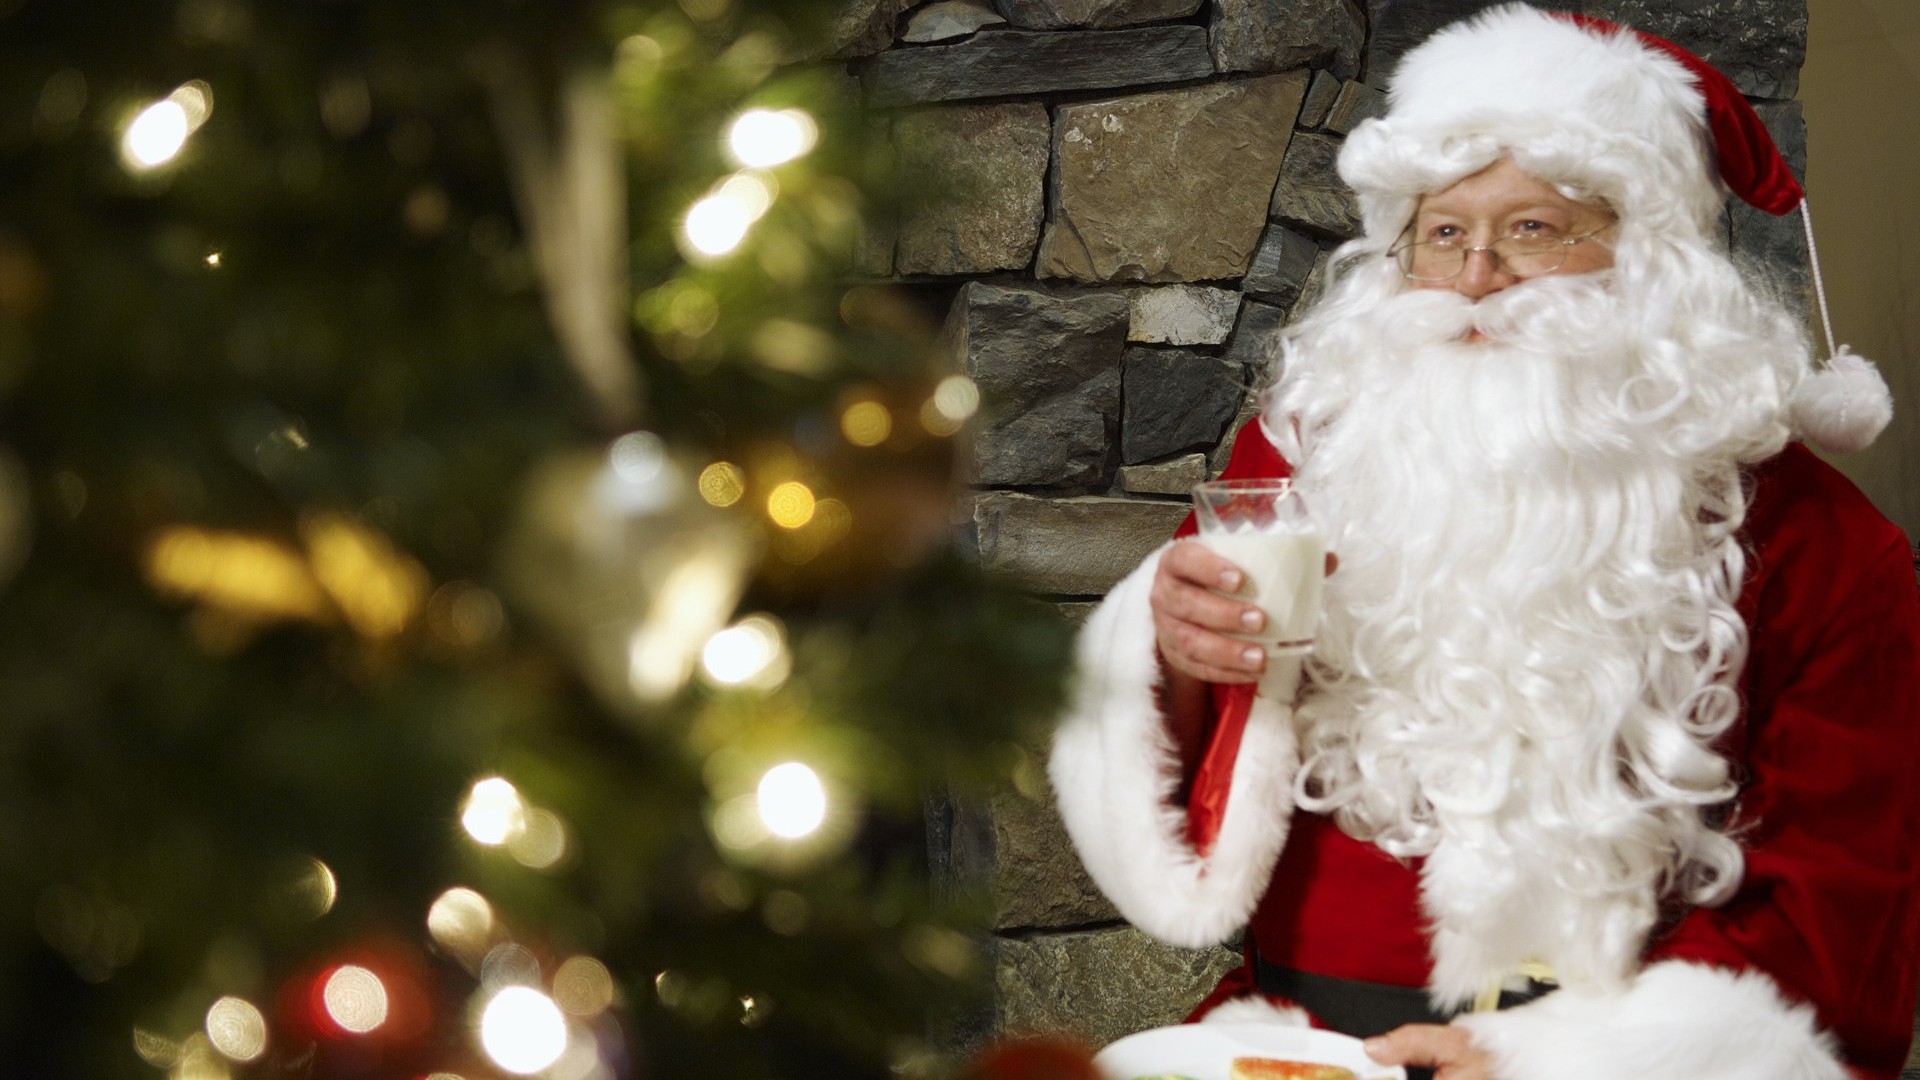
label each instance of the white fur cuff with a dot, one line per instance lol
(1116, 771)
(1677, 1021)
(1256, 1009)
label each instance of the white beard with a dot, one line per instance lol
(1531, 639)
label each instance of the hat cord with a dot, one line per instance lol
(1819, 287)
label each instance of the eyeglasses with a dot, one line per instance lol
(1520, 256)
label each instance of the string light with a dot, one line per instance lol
(718, 223)
(763, 138)
(158, 133)
(791, 505)
(752, 651)
(494, 813)
(236, 1029)
(722, 483)
(866, 423)
(583, 986)
(522, 1030)
(791, 800)
(355, 999)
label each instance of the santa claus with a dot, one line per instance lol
(1605, 761)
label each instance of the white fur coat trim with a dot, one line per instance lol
(1257, 1009)
(1676, 1021)
(1115, 770)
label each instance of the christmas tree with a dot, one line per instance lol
(475, 584)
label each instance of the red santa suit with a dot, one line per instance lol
(1808, 970)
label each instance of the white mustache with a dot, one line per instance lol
(1551, 313)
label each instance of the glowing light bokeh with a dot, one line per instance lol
(754, 194)
(763, 138)
(379, 588)
(638, 456)
(716, 225)
(866, 423)
(509, 964)
(791, 800)
(722, 483)
(155, 1049)
(314, 889)
(791, 505)
(355, 999)
(237, 1029)
(494, 812)
(156, 135)
(691, 602)
(199, 1061)
(751, 651)
(213, 260)
(541, 843)
(522, 1030)
(583, 986)
(461, 921)
(736, 823)
(957, 397)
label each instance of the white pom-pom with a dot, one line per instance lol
(1844, 407)
(1257, 1009)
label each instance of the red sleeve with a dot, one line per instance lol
(1829, 811)
(1253, 458)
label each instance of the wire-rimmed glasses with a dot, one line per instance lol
(1519, 256)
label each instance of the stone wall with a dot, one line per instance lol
(1126, 199)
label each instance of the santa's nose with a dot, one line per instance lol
(1481, 276)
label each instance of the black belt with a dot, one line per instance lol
(1366, 1009)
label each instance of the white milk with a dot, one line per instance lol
(1283, 571)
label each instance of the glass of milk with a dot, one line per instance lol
(1263, 527)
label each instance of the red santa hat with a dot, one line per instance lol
(1620, 115)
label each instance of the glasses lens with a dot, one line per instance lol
(1431, 261)
(1530, 256)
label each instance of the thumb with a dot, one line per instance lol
(1409, 1044)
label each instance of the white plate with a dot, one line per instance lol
(1206, 1051)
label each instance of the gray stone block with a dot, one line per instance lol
(1316, 283)
(1277, 35)
(1038, 882)
(1772, 251)
(1357, 102)
(862, 28)
(1281, 265)
(1070, 547)
(1101, 985)
(1175, 477)
(1319, 101)
(1759, 44)
(1256, 337)
(1093, 14)
(1048, 366)
(1166, 186)
(1310, 194)
(1182, 315)
(1175, 400)
(944, 20)
(1012, 62)
(978, 177)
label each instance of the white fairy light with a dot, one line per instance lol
(763, 138)
(522, 1030)
(791, 800)
(494, 812)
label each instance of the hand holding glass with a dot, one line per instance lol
(1263, 527)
